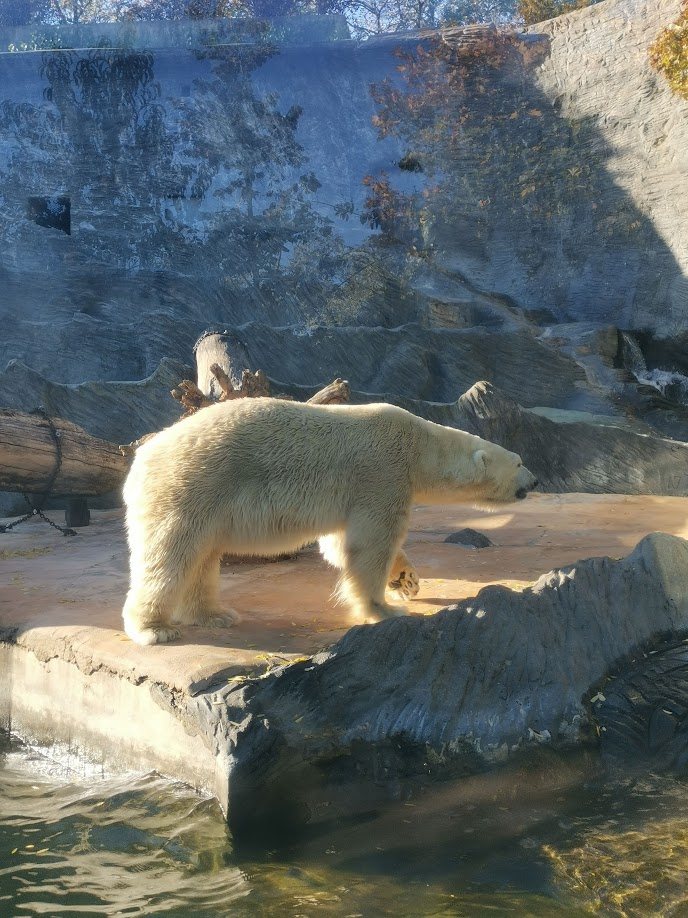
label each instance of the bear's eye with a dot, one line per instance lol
(519, 465)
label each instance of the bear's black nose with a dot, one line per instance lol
(535, 484)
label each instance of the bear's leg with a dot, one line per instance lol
(403, 581)
(370, 547)
(161, 559)
(200, 599)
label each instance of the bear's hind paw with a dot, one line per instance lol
(405, 586)
(220, 619)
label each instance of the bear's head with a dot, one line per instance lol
(501, 475)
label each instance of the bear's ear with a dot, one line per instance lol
(480, 460)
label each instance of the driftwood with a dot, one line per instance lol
(190, 396)
(28, 457)
(337, 393)
(253, 385)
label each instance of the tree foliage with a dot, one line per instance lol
(532, 11)
(61, 12)
(432, 110)
(365, 17)
(669, 53)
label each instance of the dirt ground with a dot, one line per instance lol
(63, 595)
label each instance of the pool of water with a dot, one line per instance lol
(549, 844)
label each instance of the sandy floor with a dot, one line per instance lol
(64, 595)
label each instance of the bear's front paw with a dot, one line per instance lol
(405, 585)
(157, 635)
(378, 611)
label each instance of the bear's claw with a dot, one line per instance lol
(220, 619)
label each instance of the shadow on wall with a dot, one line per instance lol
(519, 199)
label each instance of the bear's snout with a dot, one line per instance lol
(527, 485)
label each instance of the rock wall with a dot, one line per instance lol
(415, 213)
(568, 168)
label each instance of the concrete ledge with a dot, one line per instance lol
(99, 720)
(72, 683)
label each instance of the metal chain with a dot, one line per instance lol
(38, 509)
(206, 334)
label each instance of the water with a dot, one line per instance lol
(670, 383)
(533, 845)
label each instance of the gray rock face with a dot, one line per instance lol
(571, 210)
(413, 362)
(627, 121)
(602, 142)
(575, 455)
(161, 244)
(449, 694)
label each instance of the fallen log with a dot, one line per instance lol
(224, 350)
(29, 457)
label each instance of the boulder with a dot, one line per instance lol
(420, 698)
(642, 710)
(469, 538)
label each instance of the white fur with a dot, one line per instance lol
(264, 476)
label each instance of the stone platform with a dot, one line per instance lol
(72, 683)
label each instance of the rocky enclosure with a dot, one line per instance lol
(248, 180)
(520, 274)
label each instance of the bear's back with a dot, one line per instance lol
(272, 439)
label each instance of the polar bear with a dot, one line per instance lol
(265, 476)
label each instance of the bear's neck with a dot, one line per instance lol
(445, 470)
